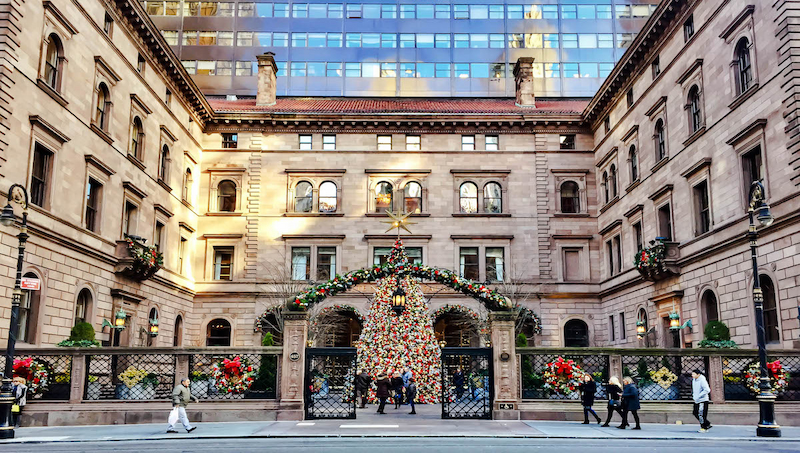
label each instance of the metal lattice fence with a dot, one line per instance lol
(263, 368)
(533, 383)
(734, 370)
(663, 377)
(48, 377)
(129, 376)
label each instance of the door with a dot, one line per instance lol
(467, 383)
(329, 383)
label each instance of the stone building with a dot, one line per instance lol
(250, 197)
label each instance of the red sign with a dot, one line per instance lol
(32, 284)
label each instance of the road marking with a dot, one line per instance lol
(369, 426)
(45, 438)
(306, 424)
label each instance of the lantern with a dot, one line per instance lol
(399, 301)
(641, 329)
(153, 329)
(674, 321)
(442, 344)
(119, 319)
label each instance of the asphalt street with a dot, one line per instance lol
(412, 445)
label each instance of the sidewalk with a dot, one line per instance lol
(427, 423)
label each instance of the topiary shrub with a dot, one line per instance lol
(81, 336)
(268, 340)
(522, 340)
(717, 331)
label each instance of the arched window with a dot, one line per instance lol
(412, 197)
(28, 309)
(633, 157)
(226, 196)
(82, 305)
(570, 200)
(695, 116)
(153, 316)
(771, 328)
(327, 197)
(52, 63)
(383, 196)
(137, 138)
(177, 333)
(103, 107)
(218, 333)
(492, 198)
(303, 197)
(709, 306)
(661, 144)
(187, 185)
(576, 334)
(641, 319)
(468, 196)
(612, 176)
(605, 187)
(163, 166)
(744, 73)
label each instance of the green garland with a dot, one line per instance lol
(651, 257)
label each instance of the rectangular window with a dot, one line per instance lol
(637, 236)
(587, 41)
(388, 40)
(334, 40)
(407, 40)
(389, 11)
(461, 70)
(370, 69)
(298, 39)
(702, 208)
(605, 41)
(588, 70)
(326, 263)
(189, 38)
(497, 41)
(549, 12)
(624, 40)
(618, 253)
(408, 12)
(623, 11)
(407, 69)
(442, 41)
(182, 256)
(352, 69)
(315, 69)
(317, 40)
(301, 263)
(371, 11)
(108, 24)
(353, 11)
(566, 141)
(461, 40)
(261, 39)
(442, 11)
(305, 142)
(607, 124)
(371, 40)
(629, 97)
(225, 38)
(665, 222)
(571, 70)
(380, 255)
(94, 192)
(230, 140)
(495, 264)
(129, 219)
(335, 11)
(244, 68)
(688, 28)
(552, 70)
(443, 70)
(569, 40)
(170, 36)
(424, 11)
(460, 12)
(478, 11)
(140, 64)
(467, 143)
(300, 10)
(280, 40)
(586, 12)
(572, 265)
(605, 69)
(384, 143)
(224, 68)
(317, 11)
(622, 333)
(329, 142)
(223, 259)
(297, 69)
(333, 70)
(656, 66)
(40, 175)
(413, 143)
(479, 40)
(353, 40)
(158, 237)
(207, 38)
(492, 143)
(610, 257)
(468, 262)
(495, 11)
(424, 40)
(611, 328)
(205, 67)
(604, 11)
(388, 69)
(752, 166)
(569, 12)
(514, 12)
(550, 40)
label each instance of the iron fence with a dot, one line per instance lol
(663, 377)
(734, 376)
(129, 376)
(48, 376)
(533, 366)
(234, 381)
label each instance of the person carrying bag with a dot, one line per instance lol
(181, 396)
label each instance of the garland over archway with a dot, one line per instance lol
(472, 315)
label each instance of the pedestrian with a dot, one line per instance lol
(458, 382)
(411, 394)
(613, 390)
(630, 403)
(363, 381)
(382, 392)
(588, 388)
(397, 387)
(700, 392)
(406, 378)
(181, 397)
(20, 399)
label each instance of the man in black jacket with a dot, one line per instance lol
(363, 382)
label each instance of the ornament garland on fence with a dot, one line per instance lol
(779, 378)
(34, 372)
(233, 375)
(562, 376)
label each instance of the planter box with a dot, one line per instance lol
(130, 267)
(56, 392)
(657, 393)
(93, 390)
(137, 392)
(200, 388)
(668, 266)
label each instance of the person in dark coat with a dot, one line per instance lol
(397, 387)
(614, 391)
(382, 383)
(411, 394)
(588, 388)
(630, 403)
(458, 382)
(363, 381)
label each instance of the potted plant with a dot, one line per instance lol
(200, 384)
(658, 260)
(717, 335)
(92, 388)
(149, 384)
(81, 336)
(131, 386)
(657, 385)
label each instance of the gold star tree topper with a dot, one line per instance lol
(398, 220)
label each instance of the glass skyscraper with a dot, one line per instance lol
(401, 48)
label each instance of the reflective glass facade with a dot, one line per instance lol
(399, 48)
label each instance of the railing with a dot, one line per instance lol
(660, 374)
(48, 377)
(263, 366)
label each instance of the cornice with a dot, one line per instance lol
(166, 212)
(49, 6)
(167, 132)
(746, 12)
(138, 101)
(317, 171)
(760, 123)
(131, 187)
(394, 171)
(689, 71)
(607, 157)
(37, 120)
(697, 166)
(664, 189)
(633, 210)
(460, 171)
(97, 163)
(222, 236)
(291, 237)
(631, 131)
(481, 236)
(413, 237)
(610, 227)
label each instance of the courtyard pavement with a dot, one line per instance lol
(397, 423)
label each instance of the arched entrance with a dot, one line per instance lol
(459, 326)
(337, 326)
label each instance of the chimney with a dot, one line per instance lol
(267, 81)
(523, 78)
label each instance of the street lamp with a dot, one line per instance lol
(18, 194)
(153, 329)
(759, 209)
(399, 300)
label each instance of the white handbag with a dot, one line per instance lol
(173, 417)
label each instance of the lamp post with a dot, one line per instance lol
(399, 300)
(17, 194)
(759, 209)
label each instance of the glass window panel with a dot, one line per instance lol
(460, 11)
(317, 10)
(586, 12)
(389, 11)
(244, 68)
(570, 70)
(467, 143)
(281, 68)
(495, 11)
(224, 68)
(280, 39)
(640, 10)
(549, 12)
(244, 38)
(205, 67)
(443, 40)
(334, 40)
(604, 11)
(624, 40)
(605, 40)
(550, 41)
(333, 70)
(297, 69)
(587, 41)
(383, 196)
(492, 198)
(172, 8)
(171, 37)
(371, 11)
(300, 10)
(353, 39)
(479, 40)
(623, 11)
(370, 69)
(468, 262)
(495, 264)
(388, 69)
(326, 262)
(534, 40)
(190, 66)
(461, 70)
(384, 143)
(301, 263)
(461, 41)
(352, 69)
(154, 8)
(425, 70)
(299, 39)
(424, 40)
(407, 69)
(424, 11)
(189, 38)
(372, 40)
(514, 12)
(569, 41)
(262, 39)
(413, 143)
(353, 11)
(408, 11)
(478, 11)
(208, 8)
(605, 69)
(442, 11)
(412, 195)
(468, 197)
(316, 40)
(329, 142)
(492, 143)
(207, 38)
(407, 40)
(497, 70)
(552, 70)
(538, 71)
(261, 9)
(281, 10)
(190, 8)
(304, 188)
(589, 70)
(515, 40)
(335, 11)
(497, 41)
(569, 12)
(480, 70)
(388, 40)
(443, 70)
(315, 69)
(225, 38)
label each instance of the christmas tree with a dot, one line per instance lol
(391, 342)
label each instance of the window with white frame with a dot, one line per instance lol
(413, 143)
(305, 142)
(467, 143)
(384, 143)
(223, 263)
(492, 143)
(329, 142)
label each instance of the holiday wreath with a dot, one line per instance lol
(34, 372)
(663, 377)
(562, 376)
(779, 378)
(233, 375)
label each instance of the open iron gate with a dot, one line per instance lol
(330, 378)
(470, 393)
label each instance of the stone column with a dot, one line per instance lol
(715, 381)
(77, 378)
(614, 367)
(295, 333)
(266, 91)
(506, 376)
(523, 78)
(182, 368)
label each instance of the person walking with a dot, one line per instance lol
(411, 394)
(630, 403)
(458, 382)
(700, 392)
(397, 387)
(181, 397)
(588, 388)
(382, 392)
(406, 379)
(613, 390)
(363, 381)
(20, 399)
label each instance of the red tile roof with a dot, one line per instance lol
(477, 106)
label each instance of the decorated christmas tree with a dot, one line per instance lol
(390, 342)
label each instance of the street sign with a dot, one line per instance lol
(32, 284)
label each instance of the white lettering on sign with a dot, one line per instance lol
(28, 283)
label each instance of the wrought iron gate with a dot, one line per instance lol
(330, 378)
(469, 394)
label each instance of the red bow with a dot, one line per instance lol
(775, 367)
(232, 365)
